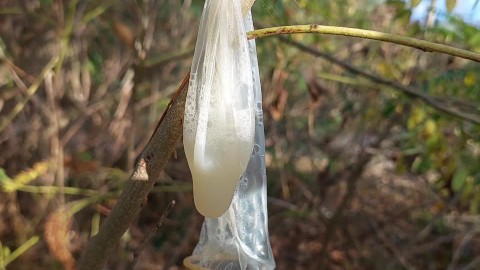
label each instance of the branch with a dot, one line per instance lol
(149, 236)
(152, 161)
(366, 34)
(436, 103)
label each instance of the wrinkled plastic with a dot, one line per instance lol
(219, 113)
(239, 238)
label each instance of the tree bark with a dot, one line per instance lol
(147, 170)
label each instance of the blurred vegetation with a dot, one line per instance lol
(361, 176)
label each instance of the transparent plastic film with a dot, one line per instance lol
(239, 238)
(219, 112)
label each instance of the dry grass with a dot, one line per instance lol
(94, 77)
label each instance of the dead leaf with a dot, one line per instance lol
(124, 33)
(57, 228)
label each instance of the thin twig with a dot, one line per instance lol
(401, 258)
(150, 235)
(423, 45)
(460, 249)
(30, 92)
(158, 60)
(332, 226)
(57, 153)
(473, 264)
(435, 102)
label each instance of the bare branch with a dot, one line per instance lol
(153, 159)
(423, 45)
(150, 235)
(439, 104)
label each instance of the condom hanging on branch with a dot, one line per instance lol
(225, 144)
(218, 132)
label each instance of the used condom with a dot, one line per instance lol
(239, 238)
(218, 131)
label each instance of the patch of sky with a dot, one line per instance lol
(468, 10)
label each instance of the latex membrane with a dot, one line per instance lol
(219, 111)
(238, 239)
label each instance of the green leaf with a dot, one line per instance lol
(403, 15)
(46, 2)
(20, 250)
(475, 206)
(5, 181)
(389, 108)
(450, 5)
(474, 40)
(421, 165)
(4, 176)
(459, 177)
(414, 3)
(6, 252)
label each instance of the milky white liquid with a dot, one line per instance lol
(218, 141)
(216, 172)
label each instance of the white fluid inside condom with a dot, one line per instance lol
(238, 239)
(219, 111)
(218, 155)
(214, 186)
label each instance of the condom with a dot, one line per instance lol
(238, 239)
(218, 133)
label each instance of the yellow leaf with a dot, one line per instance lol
(430, 128)
(470, 79)
(24, 177)
(450, 5)
(416, 117)
(399, 108)
(385, 69)
(414, 3)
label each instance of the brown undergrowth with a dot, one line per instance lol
(94, 78)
